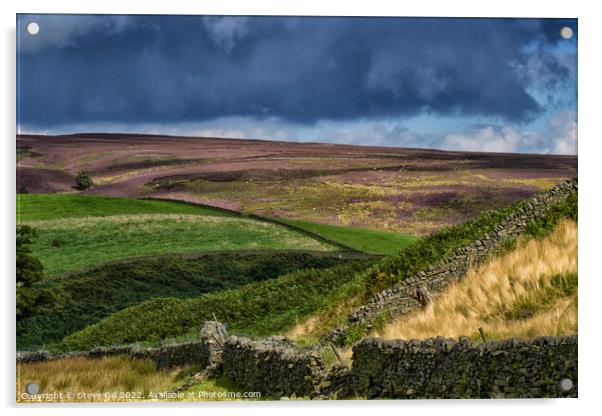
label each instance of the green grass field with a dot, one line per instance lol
(362, 239)
(39, 207)
(79, 231)
(75, 243)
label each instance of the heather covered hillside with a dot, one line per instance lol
(406, 191)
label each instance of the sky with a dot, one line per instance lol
(496, 85)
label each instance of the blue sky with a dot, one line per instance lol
(502, 85)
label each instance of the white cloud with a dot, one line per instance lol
(486, 139)
(559, 137)
(562, 130)
(376, 133)
(228, 128)
(242, 128)
(226, 31)
(218, 132)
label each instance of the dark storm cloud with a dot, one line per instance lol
(139, 69)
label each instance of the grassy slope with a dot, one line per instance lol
(77, 231)
(260, 308)
(527, 292)
(362, 239)
(419, 256)
(277, 305)
(431, 249)
(89, 296)
(39, 207)
(73, 244)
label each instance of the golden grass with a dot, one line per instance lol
(304, 328)
(313, 327)
(118, 379)
(530, 291)
(97, 378)
(541, 183)
(143, 218)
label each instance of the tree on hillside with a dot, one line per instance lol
(83, 180)
(29, 271)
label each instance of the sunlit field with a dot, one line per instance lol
(529, 292)
(106, 375)
(72, 244)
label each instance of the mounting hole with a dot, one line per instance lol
(566, 32)
(566, 384)
(33, 28)
(32, 388)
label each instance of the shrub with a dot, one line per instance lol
(30, 298)
(83, 180)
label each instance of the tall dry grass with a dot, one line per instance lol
(312, 328)
(530, 291)
(94, 376)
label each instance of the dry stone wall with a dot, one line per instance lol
(196, 353)
(205, 352)
(432, 368)
(406, 296)
(445, 368)
(274, 367)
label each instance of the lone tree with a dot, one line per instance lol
(83, 180)
(30, 299)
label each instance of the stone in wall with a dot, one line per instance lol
(445, 368)
(34, 356)
(177, 355)
(205, 353)
(100, 352)
(213, 335)
(273, 367)
(337, 383)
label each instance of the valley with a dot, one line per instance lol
(279, 239)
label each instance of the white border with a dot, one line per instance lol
(590, 152)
